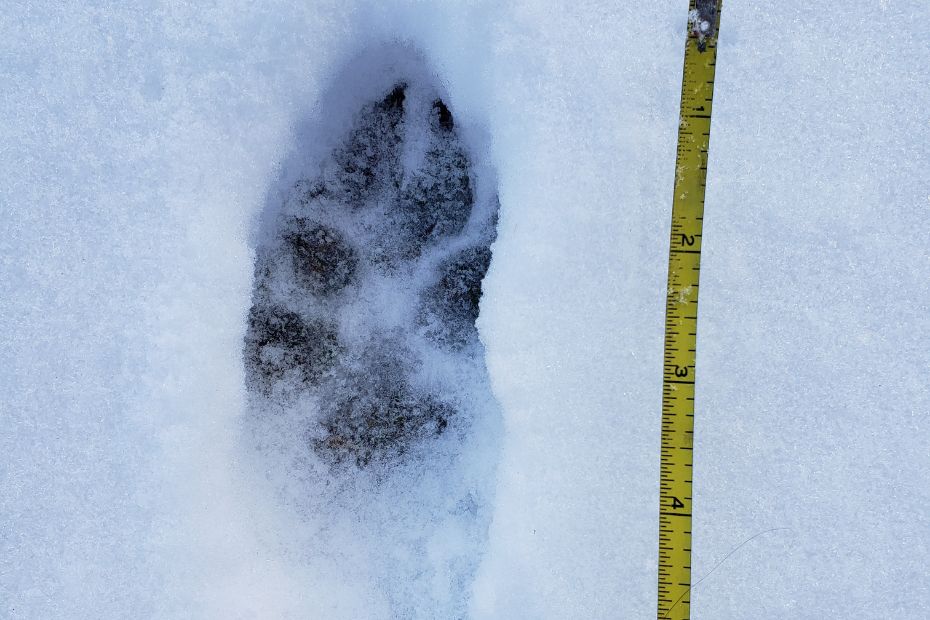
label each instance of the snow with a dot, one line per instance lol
(138, 147)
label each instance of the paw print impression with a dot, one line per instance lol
(367, 290)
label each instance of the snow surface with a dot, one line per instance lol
(138, 144)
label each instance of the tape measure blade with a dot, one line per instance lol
(685, 244)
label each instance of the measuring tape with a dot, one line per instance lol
(684, 264)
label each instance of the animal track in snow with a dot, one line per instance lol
(369, 401)
(367, 292)
(370, 410)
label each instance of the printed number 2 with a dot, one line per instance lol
(677, 503)
(687, 240)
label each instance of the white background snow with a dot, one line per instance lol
(137, 141)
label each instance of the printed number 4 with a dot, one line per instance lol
(677, 503)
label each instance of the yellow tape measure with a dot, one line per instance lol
(684, 263)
